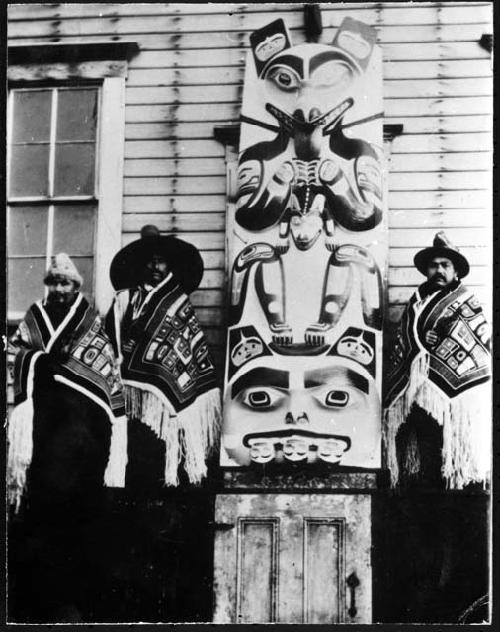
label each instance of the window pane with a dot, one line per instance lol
(25, 282)
(74, 228)
(29, 170)
(77, 114)
(27, 230)
(74, 169)
(31, 116)
(85, 266)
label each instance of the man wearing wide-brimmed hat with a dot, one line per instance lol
(169, 377)
(437, 432)
(66, 439)
(441, 365)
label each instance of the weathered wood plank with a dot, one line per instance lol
(461, 87)
(439, 218)
(148, 95)
(459, 161)
(422, 237)
(179, 203)
(440, 199)
(176, 186)
(227, 55)
(441, 143)
(55, 10)
(228, 74)
(243, 21)
(420, 181)
(477, 255)
(175, 167)
(439, 181)
(443, 124)
(203, 240)
(169, 130)
(393, 89)
(440, 106)
(208, 298)
(182, 148)
(227, 112)
(442, 69)
(397, 218)
(397, 199)
(216, 112)
(176, 222)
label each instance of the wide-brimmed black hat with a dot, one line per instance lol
(183, 260)
(442, 247)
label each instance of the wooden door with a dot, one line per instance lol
(292, 558)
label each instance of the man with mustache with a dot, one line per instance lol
(437, 431)
(440, 364)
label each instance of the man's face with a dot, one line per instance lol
(305, 412)
(61, 291)
(441, 272)
(155, 270)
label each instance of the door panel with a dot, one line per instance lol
(285, 558)
(257, 570)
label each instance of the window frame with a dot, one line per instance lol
(77, 65)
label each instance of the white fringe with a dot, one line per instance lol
(192, 433)
(114, 476)
(465, 422)
(20, 451)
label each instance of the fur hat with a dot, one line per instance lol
(442, 247)
(182, 258)
(62, 266)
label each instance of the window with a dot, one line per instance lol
(66, 135)
(52, 186)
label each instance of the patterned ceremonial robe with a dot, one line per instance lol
(449, 380)
(168, 374)
(89, 367)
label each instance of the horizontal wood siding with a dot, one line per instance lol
(188, 77)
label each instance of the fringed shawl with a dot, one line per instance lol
(169, 377)
(448, 380)
(90, 368)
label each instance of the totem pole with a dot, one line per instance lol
(306, 252)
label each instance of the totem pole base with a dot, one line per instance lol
(291, 548)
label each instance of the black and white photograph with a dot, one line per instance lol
(249, 306)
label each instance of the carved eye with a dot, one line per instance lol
(331, 74)
(337, 399)
(262, 398)
(285, 78)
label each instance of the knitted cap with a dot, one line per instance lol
(62, 266)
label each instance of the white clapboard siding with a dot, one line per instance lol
(111, 9)
(188, 77)
(395, 89)
(173, 130)
(247, 20)
(403, 256)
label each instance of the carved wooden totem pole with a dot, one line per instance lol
(301, 440)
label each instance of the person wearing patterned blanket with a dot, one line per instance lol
(66, 439)
(441, 364)
(167, 371)
(63, 336)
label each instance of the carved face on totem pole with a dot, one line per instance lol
(307, 252)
